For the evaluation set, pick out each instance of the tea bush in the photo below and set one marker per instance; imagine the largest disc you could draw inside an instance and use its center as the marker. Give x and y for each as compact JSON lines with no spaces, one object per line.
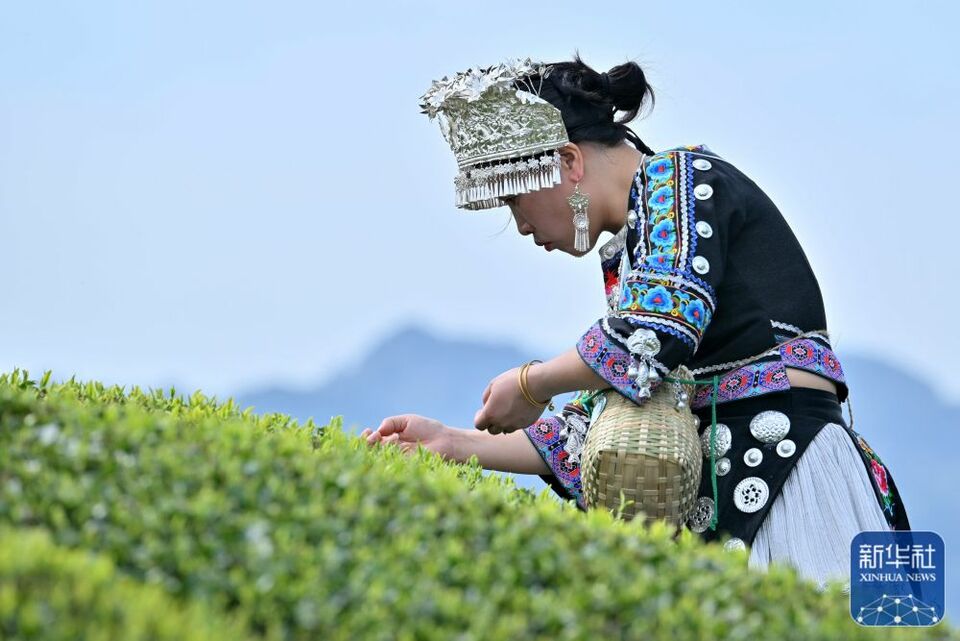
{"x":52,"y":594}
{"x":308,"y":533}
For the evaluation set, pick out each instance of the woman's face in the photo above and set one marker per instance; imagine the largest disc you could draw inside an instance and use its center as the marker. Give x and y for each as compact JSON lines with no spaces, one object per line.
{"x":543,"y":215}
{"x":546,"y":214}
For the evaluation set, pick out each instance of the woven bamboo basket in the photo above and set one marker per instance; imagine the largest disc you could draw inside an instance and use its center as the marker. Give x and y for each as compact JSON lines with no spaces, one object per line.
{"x":650,"y":451}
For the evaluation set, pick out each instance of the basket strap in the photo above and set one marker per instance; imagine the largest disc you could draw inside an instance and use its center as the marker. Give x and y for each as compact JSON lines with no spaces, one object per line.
{"x":715,"y":381}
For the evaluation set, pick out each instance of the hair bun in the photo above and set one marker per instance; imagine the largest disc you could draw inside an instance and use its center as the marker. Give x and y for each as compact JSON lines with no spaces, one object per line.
{"x":589,"y":99}
{"x":605,"y":83}
{"x":626,"y":87}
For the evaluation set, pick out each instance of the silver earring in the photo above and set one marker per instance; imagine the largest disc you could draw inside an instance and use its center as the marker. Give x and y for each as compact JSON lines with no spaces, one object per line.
{"x":578,"y":202}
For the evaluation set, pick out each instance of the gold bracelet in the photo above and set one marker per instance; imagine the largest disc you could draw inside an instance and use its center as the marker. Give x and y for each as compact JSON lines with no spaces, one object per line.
{"x":522,"y":380}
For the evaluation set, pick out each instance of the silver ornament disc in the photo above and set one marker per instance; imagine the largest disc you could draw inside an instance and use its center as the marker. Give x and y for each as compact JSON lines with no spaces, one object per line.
{"x":701,"y":515}
{"x":751,"y":494}
{"x":723,"y":466}
{"x":702,"y":191}
{"x":769,"y":426}
{"x":734,"y":544}
{"x":723,"y":438}
{"x":786,"y":448}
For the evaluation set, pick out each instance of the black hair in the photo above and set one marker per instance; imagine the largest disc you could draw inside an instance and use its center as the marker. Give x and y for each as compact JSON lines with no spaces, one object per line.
{"x":588,"y":100}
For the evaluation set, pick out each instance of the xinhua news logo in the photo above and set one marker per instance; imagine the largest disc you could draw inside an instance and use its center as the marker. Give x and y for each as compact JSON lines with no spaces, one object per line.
{"x":896,"y":578}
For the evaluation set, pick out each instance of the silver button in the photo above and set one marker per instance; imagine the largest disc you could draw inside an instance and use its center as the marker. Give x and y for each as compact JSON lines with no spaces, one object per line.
{"x":704,"y":229}
{"x":752,"y":457}
{"x":702,"y":164}
{"x":701,"y":515}
{"x":632,"y":218}
{"x":722,"y":441}
{"x":701,"y":265}
{"x":786,"y":448}
{"x":703,"y":191}
{"x":734,"y":544}
{"x":769,"y":426}
{"x":723,"y":466}
{"x":751,"y":494}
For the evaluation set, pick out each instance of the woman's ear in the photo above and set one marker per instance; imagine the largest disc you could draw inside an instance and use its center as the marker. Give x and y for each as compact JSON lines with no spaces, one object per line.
{"x":571,"y":161}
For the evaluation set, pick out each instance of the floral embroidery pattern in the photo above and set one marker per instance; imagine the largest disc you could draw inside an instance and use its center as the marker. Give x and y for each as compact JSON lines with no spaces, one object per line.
{"x":660,"y":293}
{"x":662,"y":219}
{"x":610,"y":280}
{"x":611,"y":277}
{"x":879,"y":473}
{"x":659,"y":299}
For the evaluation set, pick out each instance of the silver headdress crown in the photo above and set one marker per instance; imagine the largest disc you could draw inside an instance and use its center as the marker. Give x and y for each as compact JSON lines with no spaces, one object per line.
{"x":505,"y":139}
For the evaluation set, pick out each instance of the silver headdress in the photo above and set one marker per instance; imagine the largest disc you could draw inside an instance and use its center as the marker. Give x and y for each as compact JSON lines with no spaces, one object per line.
{"x":505,"y":139}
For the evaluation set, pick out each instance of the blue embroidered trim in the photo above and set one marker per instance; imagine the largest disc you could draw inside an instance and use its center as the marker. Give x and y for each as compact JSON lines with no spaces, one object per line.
{"x":638,"y":319}
{"x":669,"y":190}
{"x":691,"y":218}
{"x":672,"y":304}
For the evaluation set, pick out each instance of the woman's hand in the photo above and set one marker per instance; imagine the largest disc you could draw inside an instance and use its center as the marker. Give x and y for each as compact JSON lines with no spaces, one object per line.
{"x":406,"y":431}
{"x":504,"y":407}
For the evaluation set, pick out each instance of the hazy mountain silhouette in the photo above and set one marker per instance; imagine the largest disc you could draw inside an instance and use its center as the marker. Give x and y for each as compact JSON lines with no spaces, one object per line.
{"x":912,"y":429}
{"x":410,"y":371}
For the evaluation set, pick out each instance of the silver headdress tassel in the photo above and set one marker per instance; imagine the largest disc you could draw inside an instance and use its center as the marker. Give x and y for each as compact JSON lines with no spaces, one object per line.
{"x":505,"y":139}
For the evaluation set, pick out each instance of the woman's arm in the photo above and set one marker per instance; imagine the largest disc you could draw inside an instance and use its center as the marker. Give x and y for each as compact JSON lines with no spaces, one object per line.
{"x":512,"y":452}
{"x":564,"y":373}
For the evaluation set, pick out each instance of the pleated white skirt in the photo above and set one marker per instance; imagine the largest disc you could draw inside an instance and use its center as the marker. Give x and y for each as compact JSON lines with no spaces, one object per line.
{"x":827,"y":499}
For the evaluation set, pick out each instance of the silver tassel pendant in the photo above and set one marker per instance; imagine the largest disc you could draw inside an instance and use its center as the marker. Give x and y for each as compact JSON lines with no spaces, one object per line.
{"x":578,"y":203}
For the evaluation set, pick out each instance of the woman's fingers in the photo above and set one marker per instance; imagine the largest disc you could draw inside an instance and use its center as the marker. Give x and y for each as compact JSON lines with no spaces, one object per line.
{"x":479,"y":419}
{"x":387,"y":433}
{"x":392,"y":425}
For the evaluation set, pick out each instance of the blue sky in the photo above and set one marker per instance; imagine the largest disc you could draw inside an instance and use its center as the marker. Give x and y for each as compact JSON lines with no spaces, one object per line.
{"x":224,"y":195}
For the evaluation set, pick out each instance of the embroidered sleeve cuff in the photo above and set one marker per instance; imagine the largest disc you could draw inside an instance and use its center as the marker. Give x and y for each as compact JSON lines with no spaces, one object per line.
{"x":628,"y":365}
{"x":546,"y":434}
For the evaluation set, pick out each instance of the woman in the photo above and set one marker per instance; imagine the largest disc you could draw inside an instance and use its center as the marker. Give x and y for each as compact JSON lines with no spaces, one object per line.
{"x":702,"y":270}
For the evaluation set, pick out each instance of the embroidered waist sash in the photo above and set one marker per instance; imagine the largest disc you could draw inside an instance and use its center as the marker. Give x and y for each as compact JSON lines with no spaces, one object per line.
{"x":766,"y":373}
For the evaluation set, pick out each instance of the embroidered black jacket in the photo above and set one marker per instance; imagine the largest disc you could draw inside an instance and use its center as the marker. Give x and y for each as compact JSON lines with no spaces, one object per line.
{"x":709,"y":266}
{"x":707,"y":273}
